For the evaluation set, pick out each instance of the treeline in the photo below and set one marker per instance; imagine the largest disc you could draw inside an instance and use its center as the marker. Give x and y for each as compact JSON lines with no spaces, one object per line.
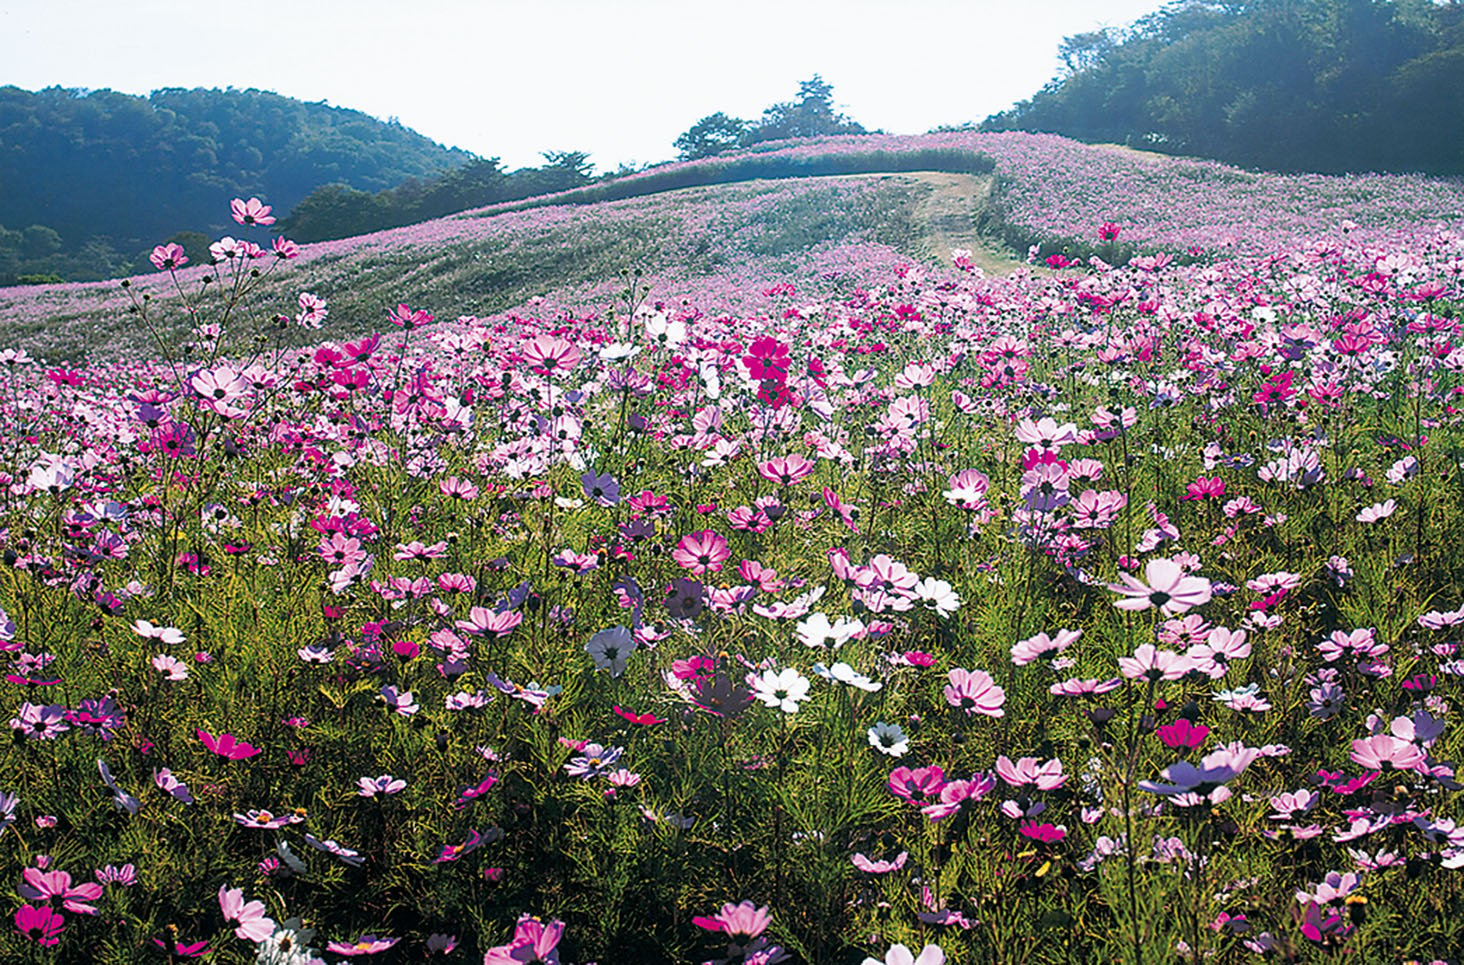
{"x":1330,"y":86}
{"x":340,"y":211}
{"x":91,"y":180}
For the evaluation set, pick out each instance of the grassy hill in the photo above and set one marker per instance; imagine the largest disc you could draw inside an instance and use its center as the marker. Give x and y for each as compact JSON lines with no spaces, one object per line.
{"x":715,"y":239}
{"x":712,"y":230}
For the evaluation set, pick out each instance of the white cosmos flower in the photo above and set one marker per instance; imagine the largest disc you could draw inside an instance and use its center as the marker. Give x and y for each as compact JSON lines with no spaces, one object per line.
{"x":779,"y":689}
{"x":619,"y":351}
{"x":938,"y":595}
{"x":817,"y":631}
{"x":889,"y":739}
{"x":611,"y":648}
{"x":844,"y":674}
{"x":663,"y":331}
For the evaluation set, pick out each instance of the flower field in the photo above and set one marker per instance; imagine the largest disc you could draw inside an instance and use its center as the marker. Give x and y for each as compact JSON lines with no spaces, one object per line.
{"x":821,"y":605}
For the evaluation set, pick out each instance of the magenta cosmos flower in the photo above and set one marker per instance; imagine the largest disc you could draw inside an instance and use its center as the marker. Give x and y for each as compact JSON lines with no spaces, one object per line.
{"x":701,"y":552}
{"x":1167,"y":588}
{"x":40,"y":924}
{"x":975,"y":692}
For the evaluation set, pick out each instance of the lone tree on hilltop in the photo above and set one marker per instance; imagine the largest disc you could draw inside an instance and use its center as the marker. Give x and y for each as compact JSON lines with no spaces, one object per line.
{"x":712,"y":134}
{"x":811,"y":115}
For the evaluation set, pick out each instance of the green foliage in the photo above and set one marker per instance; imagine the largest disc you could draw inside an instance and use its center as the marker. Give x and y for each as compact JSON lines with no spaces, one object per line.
{"x":1314,"y":85}
{"x":68,"y":156}
{"x":812,"y":115}
{"x":712,"y":134}
{"x":337,"y":211}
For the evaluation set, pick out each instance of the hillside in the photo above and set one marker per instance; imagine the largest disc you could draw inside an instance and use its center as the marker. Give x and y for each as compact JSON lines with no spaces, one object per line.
{"x":713,"y":243}
{"x":1289,"y":85}
{"x":88,"y":179}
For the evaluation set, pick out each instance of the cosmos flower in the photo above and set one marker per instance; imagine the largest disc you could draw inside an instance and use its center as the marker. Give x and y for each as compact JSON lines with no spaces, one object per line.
{"x":901,"y":955}
{"x":1168,"y":588}
{"x":889,"y":739}
{"x":248,"y":919}
{"x":975,"y":692}
{"x":611,"y":649}
{"x":779,"y":689}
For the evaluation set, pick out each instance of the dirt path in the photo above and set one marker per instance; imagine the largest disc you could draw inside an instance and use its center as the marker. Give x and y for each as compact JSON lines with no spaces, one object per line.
{"x":949,"y":215}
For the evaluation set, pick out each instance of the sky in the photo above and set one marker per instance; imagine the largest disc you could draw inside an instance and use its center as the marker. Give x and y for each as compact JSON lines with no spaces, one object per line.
{"x":619,"y":79}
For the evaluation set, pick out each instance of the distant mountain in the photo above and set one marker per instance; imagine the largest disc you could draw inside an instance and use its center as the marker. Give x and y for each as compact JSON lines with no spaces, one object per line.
{"x":89,"y":180}
{"x":1328,"y":86}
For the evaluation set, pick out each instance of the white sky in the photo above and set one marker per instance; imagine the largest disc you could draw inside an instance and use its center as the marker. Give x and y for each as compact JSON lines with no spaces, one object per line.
{"x":619,"y":79}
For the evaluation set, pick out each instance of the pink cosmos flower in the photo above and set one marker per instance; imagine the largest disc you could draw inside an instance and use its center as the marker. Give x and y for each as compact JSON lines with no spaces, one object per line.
{"x":1221,"y":647}
{"x":38,"y":885}
{"x":1377,"y":511}
{"x":1205,"y":488}
{"x":385,"y":784}
{"x":532,"y":941}
{"x":786,"y":470}
{"x":701,"y":552}
{"x":1167,"y":588}
{"x":170,"y":667}
{"x":743,"y":921}
{"x":553,"y":355}
{"x":226,"y":248}
{"x":863,"y":863}
{"x":919,"y":786}
{"x":1041,"y":647}
{"x":957,"y":794}
{"x":167,"y":257}
{"x":1046,"y":777}
{"x":482,"y":620}
{"x":1084,"y":687}
{"x":1046,"y":433}
{"x":365,"y":945}
{"x":249,"y":919}
{"x":975,"y":692}
{"x":404,"y":317}
{"x":1384,"y":752}
{"x":250,"y":212}
{"x":901,"y":955}
{"x":1153,"y":664}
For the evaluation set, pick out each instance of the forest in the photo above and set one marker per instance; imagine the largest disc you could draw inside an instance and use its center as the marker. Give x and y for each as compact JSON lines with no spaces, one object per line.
{"x":1331,"y":86}
{"x":91,"y":180}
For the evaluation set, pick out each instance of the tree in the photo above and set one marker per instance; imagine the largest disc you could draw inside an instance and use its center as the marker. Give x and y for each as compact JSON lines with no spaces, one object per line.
{"x":712,"y":134}
{"x":39,"y":241}
{"x":812,"y":115}
{"x":1085,"y":50}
